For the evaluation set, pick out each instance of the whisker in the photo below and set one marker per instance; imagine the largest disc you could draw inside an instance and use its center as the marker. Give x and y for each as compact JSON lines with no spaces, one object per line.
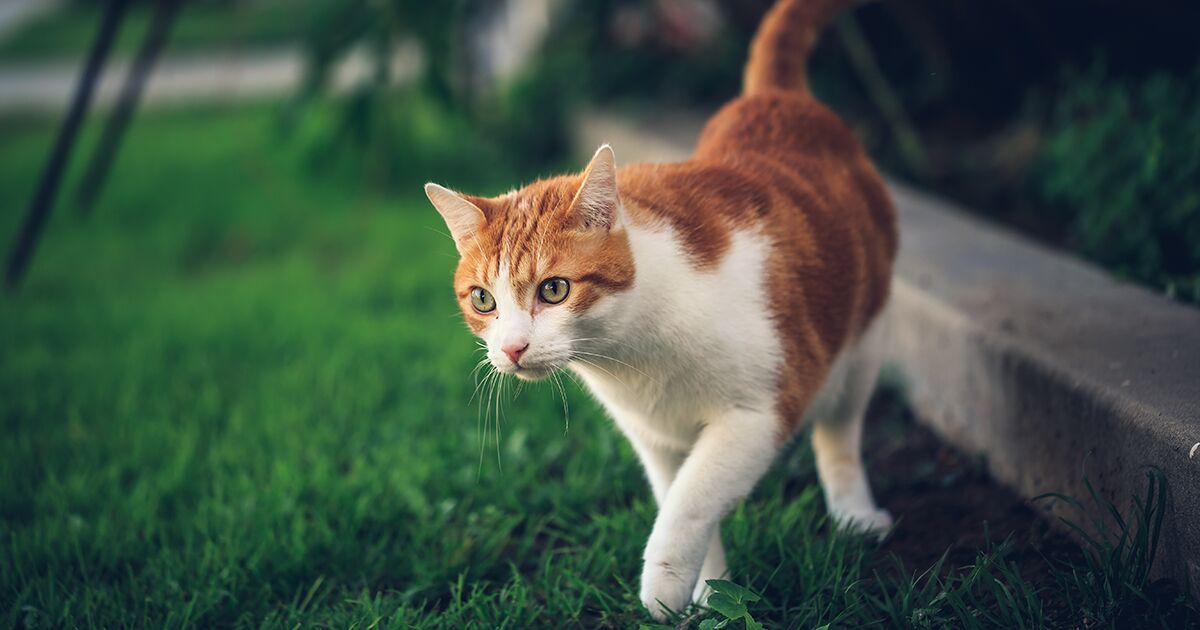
{"x":437,"y":231}
{"x":571,"y":375}
{"x":615,"y":360}
{"x":499,"y":412}
{"x":599,"y":339}
{"x":475,"y":371}
{"x":487,"y":412}
{"x":481,"y":420}
{"x":609,"y":340}
{"x":478,"y":384}
{"x":601,"y":368}
{"x":566,"y":408}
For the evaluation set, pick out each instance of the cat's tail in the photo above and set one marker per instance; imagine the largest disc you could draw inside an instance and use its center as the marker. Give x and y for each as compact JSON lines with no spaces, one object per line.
{"x":779,"y":53}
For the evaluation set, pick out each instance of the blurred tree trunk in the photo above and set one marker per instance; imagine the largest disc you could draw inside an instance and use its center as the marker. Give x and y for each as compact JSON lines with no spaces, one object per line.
{"x":165,"y":12}
{"x":51,"y":180}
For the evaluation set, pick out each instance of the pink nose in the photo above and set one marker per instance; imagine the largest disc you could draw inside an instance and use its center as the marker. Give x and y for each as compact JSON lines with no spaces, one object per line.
{"x":515,"y":350}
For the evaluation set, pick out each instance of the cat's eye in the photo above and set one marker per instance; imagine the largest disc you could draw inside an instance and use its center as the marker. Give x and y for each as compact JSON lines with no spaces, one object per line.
{"x":482,"y":300}
{"x":554,"y":290}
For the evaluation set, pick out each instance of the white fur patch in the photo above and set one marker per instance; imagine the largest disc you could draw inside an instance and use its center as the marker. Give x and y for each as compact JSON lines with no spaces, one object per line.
{"x":685,"y":343}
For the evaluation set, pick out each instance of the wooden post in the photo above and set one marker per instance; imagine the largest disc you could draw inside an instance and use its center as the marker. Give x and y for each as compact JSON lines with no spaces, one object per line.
{"x":48,"y":185}
{"x":114,"y":130}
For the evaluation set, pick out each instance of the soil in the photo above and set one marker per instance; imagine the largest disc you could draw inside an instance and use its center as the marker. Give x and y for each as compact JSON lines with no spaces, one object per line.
{"x":946,"y":503}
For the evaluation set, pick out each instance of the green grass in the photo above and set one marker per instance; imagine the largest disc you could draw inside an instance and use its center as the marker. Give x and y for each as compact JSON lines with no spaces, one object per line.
{"x":240,"y":395}
{"x":68,"y":32}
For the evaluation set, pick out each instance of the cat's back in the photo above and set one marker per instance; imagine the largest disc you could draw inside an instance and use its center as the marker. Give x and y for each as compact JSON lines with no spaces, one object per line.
{"x":826,"y":193}
{"x":776,"y":122}
{"x":785,"y":167}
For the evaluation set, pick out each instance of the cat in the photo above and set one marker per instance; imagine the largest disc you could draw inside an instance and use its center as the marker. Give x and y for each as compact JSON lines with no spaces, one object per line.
{"x":714,"y":306}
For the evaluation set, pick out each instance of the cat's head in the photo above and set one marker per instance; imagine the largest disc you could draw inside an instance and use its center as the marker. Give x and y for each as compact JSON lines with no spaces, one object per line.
{"x":541,"y":267}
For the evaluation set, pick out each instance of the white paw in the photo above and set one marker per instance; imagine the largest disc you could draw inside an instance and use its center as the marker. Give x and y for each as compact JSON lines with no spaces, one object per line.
{"x":869,"y":521}
{"x":662,"y":585}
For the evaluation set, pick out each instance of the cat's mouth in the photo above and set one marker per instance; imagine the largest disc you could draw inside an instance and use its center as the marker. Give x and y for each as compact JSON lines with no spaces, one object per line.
{"x":534,"y":373}
{"x":530,"y":368}
{"x":531,"y":372}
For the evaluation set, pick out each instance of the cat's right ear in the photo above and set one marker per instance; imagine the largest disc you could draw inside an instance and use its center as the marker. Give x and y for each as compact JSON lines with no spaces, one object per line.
{"x":462,"y":217}
{"x":596,"y":201}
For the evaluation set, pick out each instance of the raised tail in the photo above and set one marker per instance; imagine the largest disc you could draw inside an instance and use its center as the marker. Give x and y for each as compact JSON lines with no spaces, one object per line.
{"x":786,"y":37}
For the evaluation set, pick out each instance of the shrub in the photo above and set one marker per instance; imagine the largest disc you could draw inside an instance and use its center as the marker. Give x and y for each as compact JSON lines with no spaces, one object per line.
{"x":1122,"y":165}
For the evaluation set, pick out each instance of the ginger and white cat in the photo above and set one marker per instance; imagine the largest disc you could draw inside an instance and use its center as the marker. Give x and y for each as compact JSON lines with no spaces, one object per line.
{"x":714,"y":306}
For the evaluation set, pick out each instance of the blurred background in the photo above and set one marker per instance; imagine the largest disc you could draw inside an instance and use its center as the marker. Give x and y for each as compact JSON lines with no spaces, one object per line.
{"x":1073,"y":121}
{"x":233,"y":364}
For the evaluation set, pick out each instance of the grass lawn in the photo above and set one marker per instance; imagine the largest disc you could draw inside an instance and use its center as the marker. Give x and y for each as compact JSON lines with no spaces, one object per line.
{"x":68,"y":31}
{"x":240,"y":395}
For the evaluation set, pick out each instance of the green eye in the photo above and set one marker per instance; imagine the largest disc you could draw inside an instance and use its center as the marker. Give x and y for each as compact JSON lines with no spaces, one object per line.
{"x":482,"y":300}
{"x":554,"y":290}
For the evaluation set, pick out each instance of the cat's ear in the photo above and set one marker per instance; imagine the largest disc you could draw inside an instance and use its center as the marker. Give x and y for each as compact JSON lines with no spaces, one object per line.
{"x":462,"y":217}
{"x":595,"y":204}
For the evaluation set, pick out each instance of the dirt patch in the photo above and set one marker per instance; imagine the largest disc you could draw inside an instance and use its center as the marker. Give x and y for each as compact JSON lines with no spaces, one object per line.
{"x":946,"y":503}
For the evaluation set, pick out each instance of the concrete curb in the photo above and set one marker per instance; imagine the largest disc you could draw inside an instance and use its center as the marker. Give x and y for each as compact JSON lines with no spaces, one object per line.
{"x":1043,"y":363}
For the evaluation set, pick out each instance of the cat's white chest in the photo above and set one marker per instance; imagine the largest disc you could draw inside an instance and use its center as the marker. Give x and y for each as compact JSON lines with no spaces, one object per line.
{"x":687,"y":343}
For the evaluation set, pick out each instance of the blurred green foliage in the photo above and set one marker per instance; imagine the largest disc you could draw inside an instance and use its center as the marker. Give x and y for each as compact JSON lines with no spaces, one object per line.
{"x":1121,"y":167}
{"x":381,"y":125}
{"x":525,"y":118}
{"x":631,"y":49}
{"x":1112,"y":160}
{"x":340,"y":26}
{"x":396,"y":141}
{"x":1103,"y":162}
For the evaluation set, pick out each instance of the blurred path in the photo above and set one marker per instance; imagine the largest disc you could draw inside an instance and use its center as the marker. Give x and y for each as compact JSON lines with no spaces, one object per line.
{"x":13,"y":13}
{"x":199,"y":78}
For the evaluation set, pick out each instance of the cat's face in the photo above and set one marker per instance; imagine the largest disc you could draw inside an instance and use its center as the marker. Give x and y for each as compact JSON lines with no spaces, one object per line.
{"x":539,"y":267}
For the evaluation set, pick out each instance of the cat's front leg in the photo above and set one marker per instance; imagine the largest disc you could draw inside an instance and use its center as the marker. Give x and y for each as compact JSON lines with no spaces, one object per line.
{"x":730,"y":455}
{"x":661,"y":465}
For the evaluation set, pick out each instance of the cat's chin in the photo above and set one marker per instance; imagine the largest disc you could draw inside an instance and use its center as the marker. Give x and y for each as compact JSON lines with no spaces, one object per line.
{"x":533,"y":374}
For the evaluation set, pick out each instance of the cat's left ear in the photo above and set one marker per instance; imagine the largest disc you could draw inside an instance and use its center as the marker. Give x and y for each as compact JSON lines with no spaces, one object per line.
{"x":462,"y":217}
{"x":595,"y":204}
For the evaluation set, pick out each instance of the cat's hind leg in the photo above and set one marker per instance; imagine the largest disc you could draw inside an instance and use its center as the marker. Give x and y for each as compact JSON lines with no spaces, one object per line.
{"x":837,"y":417}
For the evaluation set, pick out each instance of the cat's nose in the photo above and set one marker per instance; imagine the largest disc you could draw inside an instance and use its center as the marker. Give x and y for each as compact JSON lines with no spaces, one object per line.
{"x":515,"y":349}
